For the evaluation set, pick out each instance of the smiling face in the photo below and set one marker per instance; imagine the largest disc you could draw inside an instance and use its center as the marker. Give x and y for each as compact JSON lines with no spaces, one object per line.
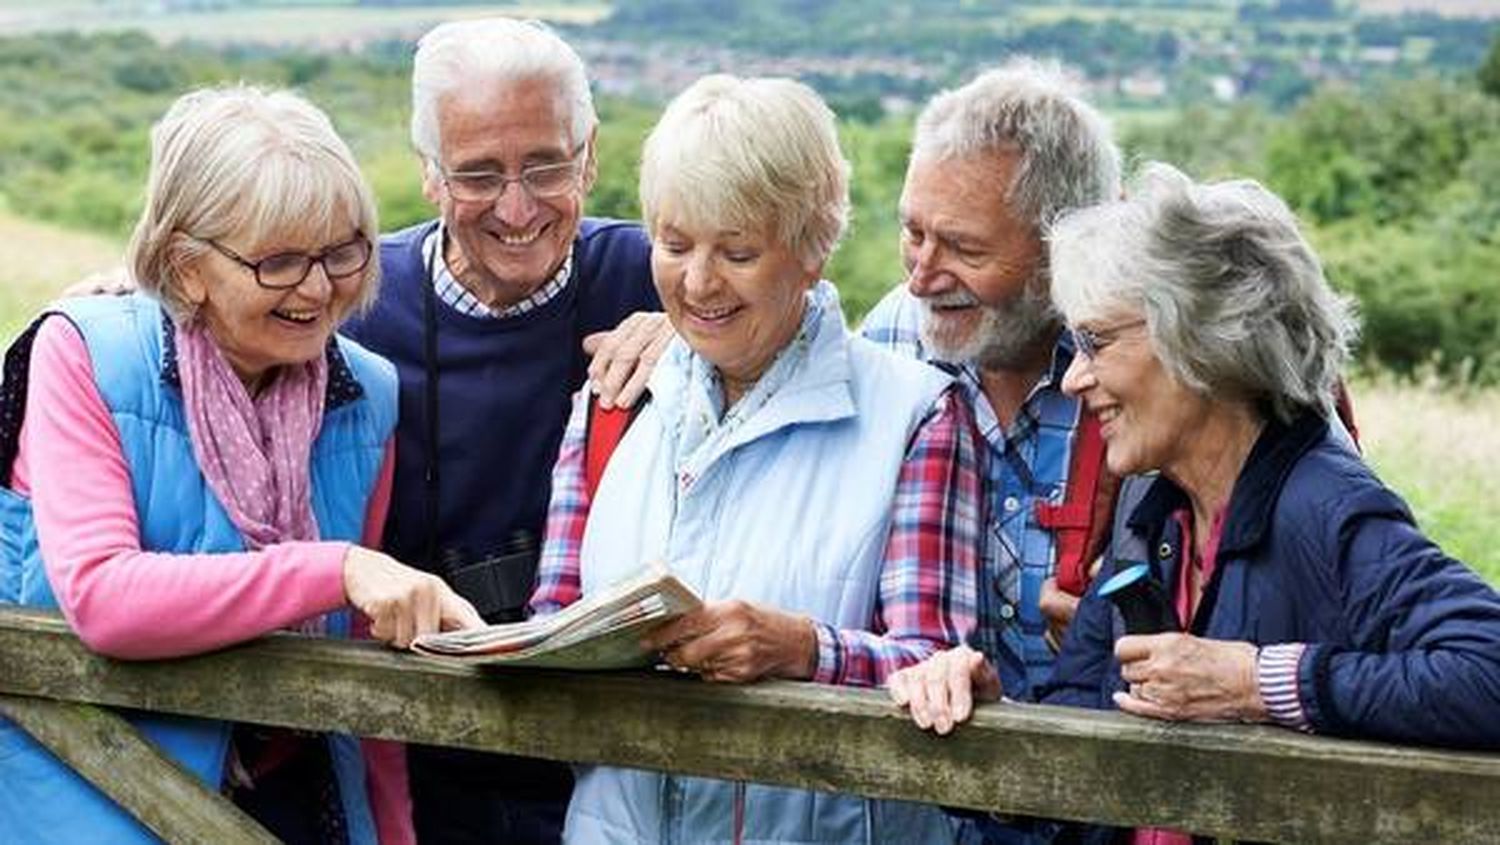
{"x":975,"y":265}
{"x":736,"y":298}
{"x":1147,"y":416}
{"x":506,"y":249}
{"x":259,"y":329}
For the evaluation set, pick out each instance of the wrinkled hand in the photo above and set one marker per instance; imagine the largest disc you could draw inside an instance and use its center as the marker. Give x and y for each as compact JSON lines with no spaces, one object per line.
{"x":402,"y":603}
{"x":1058,"y":608}
{"x":738,"y":642}
{"x":1185,"y":678}
{"x":624,"y":358}
{"x":940,"y":692}
{"x":112,"y":282}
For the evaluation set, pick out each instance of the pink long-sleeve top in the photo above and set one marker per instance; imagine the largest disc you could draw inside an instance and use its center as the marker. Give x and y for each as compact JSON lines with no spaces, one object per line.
{"x":178,"y":604}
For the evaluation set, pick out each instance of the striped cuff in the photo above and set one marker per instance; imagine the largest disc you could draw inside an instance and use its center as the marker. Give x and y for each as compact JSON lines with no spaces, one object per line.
{"x":830,"y":663}
{"x":1276,"y":670}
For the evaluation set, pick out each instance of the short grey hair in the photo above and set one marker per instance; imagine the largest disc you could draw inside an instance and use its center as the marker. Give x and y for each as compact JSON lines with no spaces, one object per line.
{"x":1235,"y":300}
{"x":249,"y":164}
{"x":1066,"y":154}
{"x":460,"y":55}
{"x":755,"y":154}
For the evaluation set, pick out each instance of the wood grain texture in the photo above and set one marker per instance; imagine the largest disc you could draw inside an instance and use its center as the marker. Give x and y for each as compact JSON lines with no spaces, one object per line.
{"x":112,"y":754}
{"x":1235,"y":781}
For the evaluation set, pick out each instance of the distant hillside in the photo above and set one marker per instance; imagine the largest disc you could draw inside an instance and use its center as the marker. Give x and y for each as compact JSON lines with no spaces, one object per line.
{"x":330,"y":24}
{"x":1451,"y":8}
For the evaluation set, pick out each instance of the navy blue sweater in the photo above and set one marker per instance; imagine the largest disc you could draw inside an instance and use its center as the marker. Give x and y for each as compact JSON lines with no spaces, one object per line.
{"x":504,"y":388}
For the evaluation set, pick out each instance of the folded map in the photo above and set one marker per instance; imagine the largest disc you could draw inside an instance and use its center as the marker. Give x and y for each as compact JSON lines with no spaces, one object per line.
{"x":599,"y":631}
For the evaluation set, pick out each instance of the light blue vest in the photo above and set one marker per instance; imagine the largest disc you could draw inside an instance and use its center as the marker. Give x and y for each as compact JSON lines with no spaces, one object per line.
{"x":793,"y":512}
{"x":41,"y":799}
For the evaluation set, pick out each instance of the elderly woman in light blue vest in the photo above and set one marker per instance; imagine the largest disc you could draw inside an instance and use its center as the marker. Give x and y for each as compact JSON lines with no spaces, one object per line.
{"x":192,"y":466}
{"x":819,"y":493}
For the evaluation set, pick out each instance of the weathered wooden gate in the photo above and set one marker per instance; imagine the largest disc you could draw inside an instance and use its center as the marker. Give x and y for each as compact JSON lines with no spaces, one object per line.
{"x":1233,"y":781}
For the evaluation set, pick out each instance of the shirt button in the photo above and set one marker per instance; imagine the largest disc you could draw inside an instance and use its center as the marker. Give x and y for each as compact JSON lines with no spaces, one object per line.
{"x":1007,"y":611}
{"x":1164,"y":551}
{"x":1011,"y":503}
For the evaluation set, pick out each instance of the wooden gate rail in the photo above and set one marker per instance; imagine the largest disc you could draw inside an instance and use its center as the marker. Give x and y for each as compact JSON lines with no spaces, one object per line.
{"x":1231,"y":781}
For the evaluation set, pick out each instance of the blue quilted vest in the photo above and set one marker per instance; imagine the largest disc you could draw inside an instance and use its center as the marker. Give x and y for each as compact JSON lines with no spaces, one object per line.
{"x":41,"y":799}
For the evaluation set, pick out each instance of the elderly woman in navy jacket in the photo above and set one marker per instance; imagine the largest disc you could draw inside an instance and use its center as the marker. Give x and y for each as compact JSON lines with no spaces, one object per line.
{"x":1209,"y":345}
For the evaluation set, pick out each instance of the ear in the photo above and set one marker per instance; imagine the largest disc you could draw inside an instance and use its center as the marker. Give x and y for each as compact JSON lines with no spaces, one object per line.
{"x":814,"y":273}
{"x":187,"y":270}
{"x":432,"y":183}
{"x":591,"y":160}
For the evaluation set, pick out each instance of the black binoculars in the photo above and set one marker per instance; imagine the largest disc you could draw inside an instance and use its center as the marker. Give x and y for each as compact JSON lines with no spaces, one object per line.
{"x":1141,"y":599}
{"x":499,"y":584}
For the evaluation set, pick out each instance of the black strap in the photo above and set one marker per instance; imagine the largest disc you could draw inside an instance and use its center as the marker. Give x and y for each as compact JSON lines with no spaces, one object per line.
{"x":13,"y":390}
{"x":430,"y":363}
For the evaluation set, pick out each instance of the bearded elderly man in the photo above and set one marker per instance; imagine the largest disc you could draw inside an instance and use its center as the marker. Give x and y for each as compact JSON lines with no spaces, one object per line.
{"x":992,"y":164}
{"x":483,"y":311}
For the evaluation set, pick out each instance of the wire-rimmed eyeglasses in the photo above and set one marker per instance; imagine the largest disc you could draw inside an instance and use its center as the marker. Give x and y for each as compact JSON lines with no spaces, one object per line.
{"x":539,"y":180}
{"x":1088,"y":342}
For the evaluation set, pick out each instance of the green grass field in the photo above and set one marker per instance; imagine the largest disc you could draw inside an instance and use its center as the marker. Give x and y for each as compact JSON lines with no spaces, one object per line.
{"x":1438,"y":449}
{"x":1435,"y":447}
{"x":38,"y":260}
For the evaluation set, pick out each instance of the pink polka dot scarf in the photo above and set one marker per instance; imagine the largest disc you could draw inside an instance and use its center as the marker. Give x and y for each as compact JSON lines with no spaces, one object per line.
{"x":254,"y":452}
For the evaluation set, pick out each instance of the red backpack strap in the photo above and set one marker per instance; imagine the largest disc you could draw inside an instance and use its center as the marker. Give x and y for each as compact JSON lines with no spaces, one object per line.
{"x":1343,"y":405}
{"x":602,"y":432}
{"x":1080,"y":523}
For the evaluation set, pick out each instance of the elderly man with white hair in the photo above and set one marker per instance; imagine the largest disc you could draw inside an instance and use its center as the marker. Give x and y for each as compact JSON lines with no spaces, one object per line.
{"x":992,"y":164}
{"x":483,"y":312}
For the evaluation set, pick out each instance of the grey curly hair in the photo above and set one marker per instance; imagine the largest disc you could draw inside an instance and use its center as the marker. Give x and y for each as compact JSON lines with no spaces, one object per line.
{"x":1234,"y":298}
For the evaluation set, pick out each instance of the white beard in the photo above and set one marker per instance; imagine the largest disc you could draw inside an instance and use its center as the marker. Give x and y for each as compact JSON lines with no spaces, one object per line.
{"x":1007,"y":336}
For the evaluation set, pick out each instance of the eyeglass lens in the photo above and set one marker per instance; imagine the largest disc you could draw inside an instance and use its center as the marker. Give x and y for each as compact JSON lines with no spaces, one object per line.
{"x":288,"y":269}
{"x":541,"y":180}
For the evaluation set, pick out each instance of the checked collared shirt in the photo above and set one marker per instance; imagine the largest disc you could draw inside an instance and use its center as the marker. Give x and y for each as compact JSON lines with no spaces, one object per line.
{"x":1022,"y":466}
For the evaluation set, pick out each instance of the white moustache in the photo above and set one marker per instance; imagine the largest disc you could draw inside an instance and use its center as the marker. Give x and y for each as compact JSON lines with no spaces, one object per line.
{"x":957,"y":299}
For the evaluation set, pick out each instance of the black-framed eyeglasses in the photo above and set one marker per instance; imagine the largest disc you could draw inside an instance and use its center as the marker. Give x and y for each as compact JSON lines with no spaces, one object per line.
{"x":540,"y":180}
{"x":286,"y":270}
{"x":1088,"y":342}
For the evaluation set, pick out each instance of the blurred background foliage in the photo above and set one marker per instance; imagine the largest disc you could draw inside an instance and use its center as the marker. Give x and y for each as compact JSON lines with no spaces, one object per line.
{"x":1398,"y":183}
{"x":1381,"y":131}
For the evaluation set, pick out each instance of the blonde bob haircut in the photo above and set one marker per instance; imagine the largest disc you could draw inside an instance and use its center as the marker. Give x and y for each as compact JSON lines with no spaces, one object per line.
{"x":754,"y":155}
{"x":255,"y":167}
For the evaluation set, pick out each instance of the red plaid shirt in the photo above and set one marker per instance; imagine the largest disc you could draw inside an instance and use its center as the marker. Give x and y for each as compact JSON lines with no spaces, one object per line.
{"x":928,"y":577}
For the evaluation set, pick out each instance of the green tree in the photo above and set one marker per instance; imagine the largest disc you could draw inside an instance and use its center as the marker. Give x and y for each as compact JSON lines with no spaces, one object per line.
{"x":1384,"y":154}
{"x":1489,"y":72}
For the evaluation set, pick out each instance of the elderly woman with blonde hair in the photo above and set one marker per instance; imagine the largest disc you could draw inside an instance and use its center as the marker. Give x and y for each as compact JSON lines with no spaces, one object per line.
{"x":819,"y":493}
{"x":224,"y":453}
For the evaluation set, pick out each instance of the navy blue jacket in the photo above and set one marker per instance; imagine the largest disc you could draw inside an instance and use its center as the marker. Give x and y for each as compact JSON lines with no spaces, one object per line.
{"x":1404,"y":641}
